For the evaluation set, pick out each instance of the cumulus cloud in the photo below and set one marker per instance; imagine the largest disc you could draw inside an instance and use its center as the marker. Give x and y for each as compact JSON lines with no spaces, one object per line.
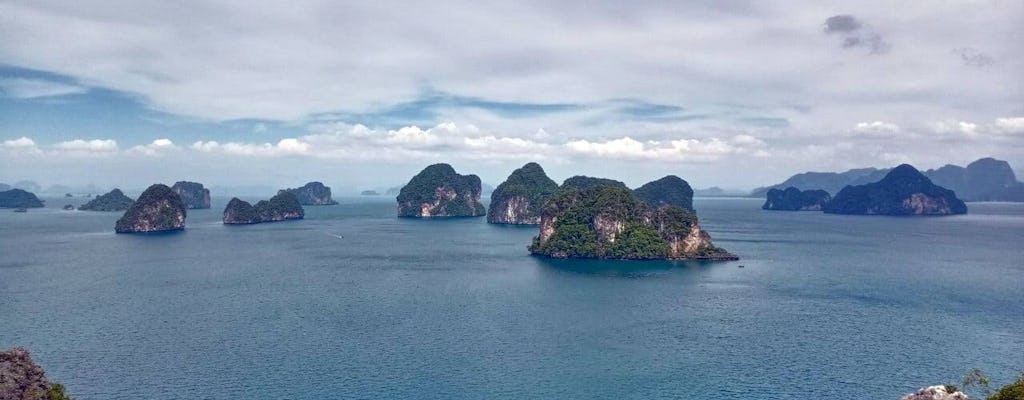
{"x":876,"y":128}
{"x":1010,"y":125}
{"x":155,"y":148}
{"x":23,"y":88}
{"x":672,"y":150}
{"x":19,"y":143}
{"x":998,"y":127}
{"x":95,"y":146}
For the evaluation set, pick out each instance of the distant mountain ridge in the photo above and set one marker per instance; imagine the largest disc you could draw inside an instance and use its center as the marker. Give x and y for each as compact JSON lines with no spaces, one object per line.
{"x":985,"y":179}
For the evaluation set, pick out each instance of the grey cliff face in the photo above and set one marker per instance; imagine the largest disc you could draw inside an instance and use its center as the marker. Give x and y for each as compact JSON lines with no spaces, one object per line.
{"x":158,"y":209}
{"x":193,"y":194}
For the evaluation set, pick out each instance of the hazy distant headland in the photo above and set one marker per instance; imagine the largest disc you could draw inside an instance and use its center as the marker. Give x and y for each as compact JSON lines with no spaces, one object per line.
{"x":985,"y":179}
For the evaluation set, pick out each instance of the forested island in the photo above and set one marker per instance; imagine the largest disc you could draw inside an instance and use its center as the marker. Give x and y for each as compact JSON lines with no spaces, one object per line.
{"x":282,"y":207}
{"x":17,"y":198}
{"x":793,"y":199}
{"x":313,"y":194}
{"x":157,"y":209}
{"x":903,"y":191}
{"x":115,"y":200}
{"x":438,"y":191}
{"x":603,"y":219}
{"x":520,"y":199}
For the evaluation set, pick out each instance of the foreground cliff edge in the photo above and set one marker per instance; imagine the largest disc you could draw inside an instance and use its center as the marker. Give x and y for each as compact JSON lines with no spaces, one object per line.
{"x":438,"y":191}
{"x":903,"y":191}
{"x":610,"y":222}
{"x":520,"y":199}
{"x":158,"y":209}
{"x":22,"y":378}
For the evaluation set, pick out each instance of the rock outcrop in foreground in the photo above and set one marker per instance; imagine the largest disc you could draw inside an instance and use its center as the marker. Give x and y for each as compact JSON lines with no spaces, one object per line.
{"x":313,"y":194}
{"x":610,"y":222}
{"x":282,"y":207}
{"x":193,"y":194}
{"x":157,"y":209}
{"x":520,"y":199}
{"x":793,"y":199}
{"x":115,"y":200}
{"x":21,"y":378}
{"x":936,"y":393}
{"x":17,"y":198}
{"x":904,"y":191}
{"x":438,"y":191}
{"x":668,"y":191}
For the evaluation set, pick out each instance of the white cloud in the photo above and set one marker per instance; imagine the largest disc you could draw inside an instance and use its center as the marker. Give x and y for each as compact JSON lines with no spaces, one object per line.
{"x":672,"y":150}
{"x":876,"y":128}
{"x":155,"y":148}
{"x":19,"y":143}
{"x":1000,"y":126}
{"x":95,"y":146}
{"x":23,"y":88}
{"x":1010,"y":125}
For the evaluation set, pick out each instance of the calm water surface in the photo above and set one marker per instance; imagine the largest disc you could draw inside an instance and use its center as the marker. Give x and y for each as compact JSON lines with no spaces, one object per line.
{"x":355,"y":303}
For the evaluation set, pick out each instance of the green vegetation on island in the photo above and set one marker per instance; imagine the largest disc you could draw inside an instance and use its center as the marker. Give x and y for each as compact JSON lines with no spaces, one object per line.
{"x":520,"y":199}
{"x":157,"y":209}
{"x":579,"y":182}
{"x":610,"y":222}
{"x":670,"y":190}
{"x":282,"y":207}
{"x":115,"y":200}
{"x":313,"y":194}
{"x":438,"y":191}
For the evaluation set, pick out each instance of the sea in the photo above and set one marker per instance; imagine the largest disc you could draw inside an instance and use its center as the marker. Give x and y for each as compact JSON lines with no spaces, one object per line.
{"x":354,"y":303}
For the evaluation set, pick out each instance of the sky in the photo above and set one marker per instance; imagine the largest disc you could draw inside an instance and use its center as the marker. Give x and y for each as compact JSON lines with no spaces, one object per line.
{"x":363,"y":95}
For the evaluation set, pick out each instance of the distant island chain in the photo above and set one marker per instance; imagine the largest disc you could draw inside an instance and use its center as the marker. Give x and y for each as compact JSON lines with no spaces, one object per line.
{"x":584,"y":217}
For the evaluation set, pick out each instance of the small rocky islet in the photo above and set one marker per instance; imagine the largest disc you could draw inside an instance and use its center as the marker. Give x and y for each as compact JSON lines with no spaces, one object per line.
{"x":115,"y":200}
{"x":158,"y":209}
{"x":284,"y":206}
{"x":439,"y":191}
{"x":193,"y":194}
{"x":793,"y":199}
{"x":313,"y":194}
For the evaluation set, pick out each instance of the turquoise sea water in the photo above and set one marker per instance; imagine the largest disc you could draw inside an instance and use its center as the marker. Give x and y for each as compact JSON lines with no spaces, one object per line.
{"x":355,"y":303}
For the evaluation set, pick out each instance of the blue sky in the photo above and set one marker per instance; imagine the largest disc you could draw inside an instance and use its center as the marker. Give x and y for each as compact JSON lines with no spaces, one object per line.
{"x":735,"y":94}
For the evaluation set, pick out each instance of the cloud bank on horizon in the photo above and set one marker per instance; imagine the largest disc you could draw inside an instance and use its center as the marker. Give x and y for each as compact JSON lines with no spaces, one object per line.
{"x":369,"y":93}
